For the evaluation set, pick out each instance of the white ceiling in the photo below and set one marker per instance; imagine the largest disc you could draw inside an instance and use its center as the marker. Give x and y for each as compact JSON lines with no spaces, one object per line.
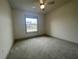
{"x":33,"y":5}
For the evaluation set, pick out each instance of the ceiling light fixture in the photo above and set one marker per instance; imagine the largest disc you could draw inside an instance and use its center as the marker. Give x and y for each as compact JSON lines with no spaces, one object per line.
{"x":42,"y":6}
{"x":44,"y":3}
{"x":41,"y":1}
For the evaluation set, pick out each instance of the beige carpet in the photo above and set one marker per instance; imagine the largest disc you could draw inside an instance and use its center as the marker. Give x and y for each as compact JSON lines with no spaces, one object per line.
{"x":44,"y":48}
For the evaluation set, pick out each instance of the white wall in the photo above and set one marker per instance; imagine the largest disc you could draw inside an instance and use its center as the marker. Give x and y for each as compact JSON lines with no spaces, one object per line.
{"x":6,"y":36}
{"x":19,"y":23}
{"x":62,"y":22}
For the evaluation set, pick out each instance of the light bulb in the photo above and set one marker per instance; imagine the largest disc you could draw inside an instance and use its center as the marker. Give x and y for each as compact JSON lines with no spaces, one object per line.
{"x":42,"y":6}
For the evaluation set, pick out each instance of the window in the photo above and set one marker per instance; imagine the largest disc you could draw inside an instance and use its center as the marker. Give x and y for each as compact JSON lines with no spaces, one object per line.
{"x":31,"y":24}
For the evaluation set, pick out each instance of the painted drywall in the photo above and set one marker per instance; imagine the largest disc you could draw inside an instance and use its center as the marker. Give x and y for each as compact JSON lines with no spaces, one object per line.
{"x":19,"y":23}
{"x":6,"y":36}
{"x":62,"y":22}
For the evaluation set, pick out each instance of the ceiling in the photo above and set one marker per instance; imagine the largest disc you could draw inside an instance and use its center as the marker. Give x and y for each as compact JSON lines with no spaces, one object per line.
{"x":34,"y":6}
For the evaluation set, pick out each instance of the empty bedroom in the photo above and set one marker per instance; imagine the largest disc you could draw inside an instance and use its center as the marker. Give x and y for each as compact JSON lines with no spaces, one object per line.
{"x":38,"y":29}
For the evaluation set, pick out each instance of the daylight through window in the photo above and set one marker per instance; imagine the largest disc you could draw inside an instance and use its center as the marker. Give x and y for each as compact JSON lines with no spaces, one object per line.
{"x":31,"y":25}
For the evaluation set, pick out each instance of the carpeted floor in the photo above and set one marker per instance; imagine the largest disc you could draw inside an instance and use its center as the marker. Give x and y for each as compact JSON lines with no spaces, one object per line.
{"x":44,"y":48}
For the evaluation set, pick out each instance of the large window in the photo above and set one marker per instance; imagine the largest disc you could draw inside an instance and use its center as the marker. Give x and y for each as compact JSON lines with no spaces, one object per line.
{"x":31,"y":24}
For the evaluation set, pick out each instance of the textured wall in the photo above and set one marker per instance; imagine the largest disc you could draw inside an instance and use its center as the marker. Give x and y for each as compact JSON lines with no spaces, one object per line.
{"x":62,"y":22}
{"x":19,"y":23}
{"x":6,"y":36}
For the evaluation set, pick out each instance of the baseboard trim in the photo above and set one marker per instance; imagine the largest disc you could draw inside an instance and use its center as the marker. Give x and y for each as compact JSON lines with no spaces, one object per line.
{"x":21,"y":39}
{"x":61,"y":39}
{"x":10,"y":49}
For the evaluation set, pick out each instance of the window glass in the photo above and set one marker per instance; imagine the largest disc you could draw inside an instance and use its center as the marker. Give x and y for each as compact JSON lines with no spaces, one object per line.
{"x":31,"y":24}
